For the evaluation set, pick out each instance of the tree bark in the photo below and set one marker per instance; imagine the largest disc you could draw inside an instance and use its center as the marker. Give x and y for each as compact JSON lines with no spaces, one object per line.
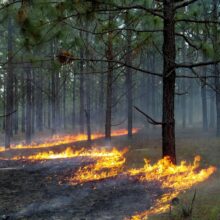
{"x":108,"y":115}
{"x":101,"y":98}
{"x":33,"y":99}
{"x":64,"y":103}
{"x":9,"y":87}
{"x":128,"y":77}
{"x":22,"y":103}
{"x":81,"y":91}
{"x":15,"y":115}
{"x":216,"y":69}
{"x":74,"y":102}
{"x":28,"y":116}
{"x":169,"y":75}
{"x":39,"y":102}
{"x":204,"y":102}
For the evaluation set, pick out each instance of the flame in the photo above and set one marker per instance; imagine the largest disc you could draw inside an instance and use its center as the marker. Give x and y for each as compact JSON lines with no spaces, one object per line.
{"x":57,"y":140}
{"x":176,"y":178}
{"x":71,"y":153}
{"x":110,"y":164}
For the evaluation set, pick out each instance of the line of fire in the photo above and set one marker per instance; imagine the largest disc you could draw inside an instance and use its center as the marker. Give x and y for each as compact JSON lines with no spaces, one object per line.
{"x":109,"y":110}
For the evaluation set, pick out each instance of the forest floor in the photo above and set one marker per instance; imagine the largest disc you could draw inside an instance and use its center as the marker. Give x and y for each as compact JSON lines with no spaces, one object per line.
{"x":34,"y":191}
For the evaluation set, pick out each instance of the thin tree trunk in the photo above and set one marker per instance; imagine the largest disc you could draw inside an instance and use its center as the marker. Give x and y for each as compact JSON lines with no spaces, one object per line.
{"x":22,"y":103}
{"x":183,"y":103}
{"x":81,"y":91}
{"x":216,"y":69}
{"x":64,"y":104}
{"x":128,"y":77}
{"x":108,"y":116}
{"x":212,"y":110}
{"x":153,"y":88}
{"x":28,"y":116}
{"x":39,"y":102}
{"x":204,"y":103}
{"x":101,"y":98}
{"x":33,"y":106}
{"x":49,"y":107}
{"x":9,"y":87}
{"x":15,"y":115}
{"x":191,"y":104}
{"x":74,"y":102}
{"x":53,"y":103}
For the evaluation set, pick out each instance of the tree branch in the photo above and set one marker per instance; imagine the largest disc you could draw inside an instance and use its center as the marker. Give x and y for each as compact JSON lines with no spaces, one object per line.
{"x":8,"y":114}
{"x":149,"y":119}
{"x":184,"y":4}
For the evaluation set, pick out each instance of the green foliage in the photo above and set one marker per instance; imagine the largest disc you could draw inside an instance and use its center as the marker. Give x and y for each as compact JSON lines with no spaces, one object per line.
{"x":207,"y":49}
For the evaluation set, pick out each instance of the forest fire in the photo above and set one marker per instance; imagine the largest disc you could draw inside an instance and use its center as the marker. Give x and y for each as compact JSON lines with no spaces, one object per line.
{"x":175,"y":178}
{"x":108,"y":163}
{"x":71,"y":153}
{"x":57,"y":140}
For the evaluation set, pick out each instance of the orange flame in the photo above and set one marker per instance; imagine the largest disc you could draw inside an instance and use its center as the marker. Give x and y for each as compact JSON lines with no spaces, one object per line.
{"x":178,"y":178}
{"x":109,"y":165}
{"x":57,"y":140}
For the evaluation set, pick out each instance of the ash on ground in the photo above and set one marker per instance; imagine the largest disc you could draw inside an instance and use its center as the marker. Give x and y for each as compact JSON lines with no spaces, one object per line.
{"x":41,"y":191}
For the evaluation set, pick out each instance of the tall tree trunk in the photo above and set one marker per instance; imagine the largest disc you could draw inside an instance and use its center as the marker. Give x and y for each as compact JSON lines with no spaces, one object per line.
{"x":183,"y":103}
{"x":9,"y":87}
{"x":101,"y":98}
{"x":49,"y":107}
{"x":28,"y":116}
{"x":153,"y":88}
{"x":57,"y":101}
{"x":15,"y":116}
{"x":128,"y":77}
{"x":183,"y":87}
{"x":39,"y":102}
{"x":81,"y":91}
{"x":22,"y":103}
{"x":204,"y":102}
{"x":88,"y":96}
{"x":212,"y":110}
{"x":191,"y":104}
{"x":108,"y":115}
{"x":169,"y":76}
{"x":33,"y":106}
{"x":64,"y":103}
{"x":216,"y":69}
{"x":74,"y":102}
{"x":53,"y":102}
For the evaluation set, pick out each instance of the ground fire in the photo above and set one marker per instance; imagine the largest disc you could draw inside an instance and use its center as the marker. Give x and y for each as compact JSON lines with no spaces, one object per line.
{"x":57,"y":140}
{"x":106,"y":164}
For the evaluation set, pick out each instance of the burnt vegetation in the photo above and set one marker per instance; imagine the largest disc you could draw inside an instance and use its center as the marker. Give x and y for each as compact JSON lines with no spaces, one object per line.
{"x":150,"y":68}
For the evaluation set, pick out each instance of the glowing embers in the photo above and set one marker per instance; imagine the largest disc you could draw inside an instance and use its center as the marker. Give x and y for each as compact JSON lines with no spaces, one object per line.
{"x":110,"y":164}
{"x":174,"y":178}
{"x":57,"y":140}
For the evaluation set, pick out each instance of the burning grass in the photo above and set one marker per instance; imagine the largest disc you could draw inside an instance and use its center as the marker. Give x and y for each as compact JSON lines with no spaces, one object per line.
{"x":111,"y":163}
{"x":107,"y":163}
{"x":58,"y":140}
{"x":176,"y":178}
